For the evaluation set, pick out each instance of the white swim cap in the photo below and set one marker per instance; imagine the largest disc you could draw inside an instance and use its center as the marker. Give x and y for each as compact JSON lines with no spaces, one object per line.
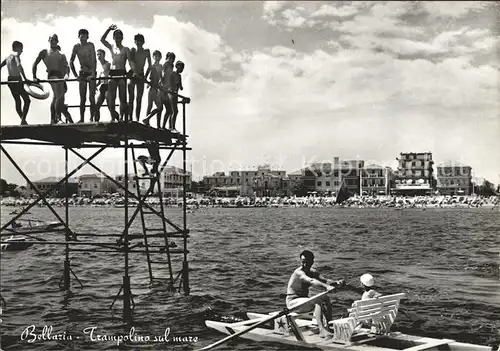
{"x":367,"y":280}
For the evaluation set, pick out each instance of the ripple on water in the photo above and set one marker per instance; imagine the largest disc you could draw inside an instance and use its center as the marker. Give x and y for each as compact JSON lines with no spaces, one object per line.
{"x":446,"y":261}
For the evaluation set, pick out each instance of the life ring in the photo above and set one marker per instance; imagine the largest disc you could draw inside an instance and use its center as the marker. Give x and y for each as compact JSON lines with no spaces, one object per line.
{"x":36,"y":90}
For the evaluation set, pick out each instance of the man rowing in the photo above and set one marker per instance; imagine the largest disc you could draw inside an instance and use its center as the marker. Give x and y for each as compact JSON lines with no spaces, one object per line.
{"x":298,"y":292}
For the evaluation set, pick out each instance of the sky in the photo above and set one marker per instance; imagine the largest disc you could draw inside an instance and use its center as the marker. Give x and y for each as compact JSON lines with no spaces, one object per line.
{"x":292,"y":83}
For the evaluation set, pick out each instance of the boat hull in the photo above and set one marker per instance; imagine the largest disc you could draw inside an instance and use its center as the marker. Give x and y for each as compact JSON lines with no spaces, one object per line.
{"x":365,"y":342}
{"x":15,"y":245}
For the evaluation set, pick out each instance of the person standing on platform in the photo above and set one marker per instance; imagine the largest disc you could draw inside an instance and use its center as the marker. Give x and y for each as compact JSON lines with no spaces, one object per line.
{"x":16,"y":74}
{"x":176,"y":83}
{"x":168,"y":69}
{"x":139,"y":56}
{"x":154,"y":93}
{"x":85,"y":51}
{"x":102,"y":84}
{"x":119,"y":56}
{"x":57,"y":68}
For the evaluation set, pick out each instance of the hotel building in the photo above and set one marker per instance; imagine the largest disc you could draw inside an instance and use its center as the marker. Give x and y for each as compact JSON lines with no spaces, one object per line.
{"x":454,"y":178}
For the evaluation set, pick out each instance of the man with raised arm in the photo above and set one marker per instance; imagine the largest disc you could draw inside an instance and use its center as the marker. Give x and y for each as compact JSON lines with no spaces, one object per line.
{"x":85,"y":51}
{"x":57,"y":68}
{"x":139,"y":56}
{"x":16,"y":74}
{"x":119,"y":56}
{"x":298,"y":291}
{"x":102,"y":84}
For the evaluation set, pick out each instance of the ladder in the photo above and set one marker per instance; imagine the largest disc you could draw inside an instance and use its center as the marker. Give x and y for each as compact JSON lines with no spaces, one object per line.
{"x":149,"y":216}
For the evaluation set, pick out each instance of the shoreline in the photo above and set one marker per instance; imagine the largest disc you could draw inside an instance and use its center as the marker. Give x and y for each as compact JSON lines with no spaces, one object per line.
{"x":396,"y":203}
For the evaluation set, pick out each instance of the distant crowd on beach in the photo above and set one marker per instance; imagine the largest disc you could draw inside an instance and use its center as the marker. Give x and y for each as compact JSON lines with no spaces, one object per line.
{"x":101,"y":78}
{"x":423,"y":202}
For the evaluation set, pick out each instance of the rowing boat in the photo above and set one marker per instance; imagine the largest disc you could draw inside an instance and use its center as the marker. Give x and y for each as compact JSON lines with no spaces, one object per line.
{"x":15,"y":244}
{"x":367,"y":328}
{"x":33,"y":226}
{"x":363,"y":340}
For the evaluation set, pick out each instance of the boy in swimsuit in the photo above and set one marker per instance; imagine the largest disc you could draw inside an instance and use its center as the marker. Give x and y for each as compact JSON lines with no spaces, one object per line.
{"x":176,"y":82}
{"x":119,"y":56}
{"x":57,"y":68}
{"x":102,"y":84}
{"x":154,"y":159}
{"x":16,"y":73}
{"x":139,"y":57}
{"x":153,"y":95}
{"x":168,"y":69}
{"x":85,"y":51}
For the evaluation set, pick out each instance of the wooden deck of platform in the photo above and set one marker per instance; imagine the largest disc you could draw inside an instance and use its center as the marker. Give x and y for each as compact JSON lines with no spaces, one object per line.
{"x":80,"y":134}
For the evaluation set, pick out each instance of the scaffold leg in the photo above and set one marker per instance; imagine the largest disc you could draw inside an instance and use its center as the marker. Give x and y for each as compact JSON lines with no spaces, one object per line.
{"x":66,"y":275}
{"x":127,"y":297}
{"x":185,"y":277}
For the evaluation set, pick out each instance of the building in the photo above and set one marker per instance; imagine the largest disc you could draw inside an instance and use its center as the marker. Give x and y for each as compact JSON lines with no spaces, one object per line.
{"x":132,"y":186}
{"x":262,"y":181}
{"x":326,"y":178}
{"x":415,"y":175}
{"x":45,"y":184}
{"x":91,"y":185}
{"x":171,"y":180}
{"x":454,"y":178}
{"x":376,"y":180}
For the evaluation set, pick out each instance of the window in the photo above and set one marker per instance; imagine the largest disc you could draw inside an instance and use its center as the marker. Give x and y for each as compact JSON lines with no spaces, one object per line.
{"x":327,"y":183}
{"x":318,"y":183}
{"x":95,"y":185}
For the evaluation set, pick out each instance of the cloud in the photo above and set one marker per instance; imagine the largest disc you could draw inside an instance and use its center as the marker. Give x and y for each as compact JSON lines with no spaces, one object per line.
{"x":270,"y":8}
{"x":454,"y":9}
{"x":335,"y":11}
{"x":276,"y":14}
{"x":355,"y":96}
{"x":204,"y":54}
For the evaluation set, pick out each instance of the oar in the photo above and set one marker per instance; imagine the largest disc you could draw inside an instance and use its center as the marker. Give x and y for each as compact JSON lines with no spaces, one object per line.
{"x":264,"y":321}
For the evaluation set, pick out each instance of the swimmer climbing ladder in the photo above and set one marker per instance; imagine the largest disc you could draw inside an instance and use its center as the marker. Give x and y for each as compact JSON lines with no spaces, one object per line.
{"x":150,"y":232}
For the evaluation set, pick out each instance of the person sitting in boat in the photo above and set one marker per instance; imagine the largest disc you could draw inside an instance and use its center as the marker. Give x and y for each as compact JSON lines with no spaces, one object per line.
{"x":367,"y":282}
{"x":298,"y":292}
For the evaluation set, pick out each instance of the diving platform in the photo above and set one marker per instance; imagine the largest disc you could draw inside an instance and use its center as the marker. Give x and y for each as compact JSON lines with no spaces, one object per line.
{"x":77,"y":135}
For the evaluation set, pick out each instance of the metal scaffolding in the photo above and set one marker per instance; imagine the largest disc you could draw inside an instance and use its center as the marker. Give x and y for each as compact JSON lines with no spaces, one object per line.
{"x":129,"y":136}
